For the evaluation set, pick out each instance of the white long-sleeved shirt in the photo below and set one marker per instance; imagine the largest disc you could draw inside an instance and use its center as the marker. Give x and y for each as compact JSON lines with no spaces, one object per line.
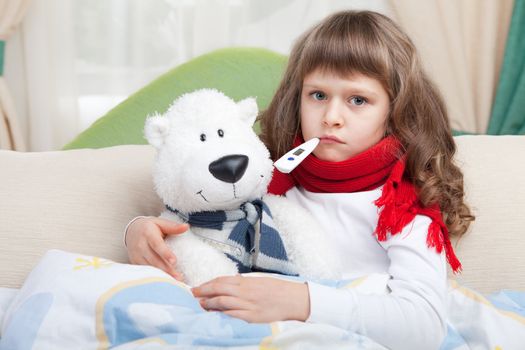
{"x":412,"y":314}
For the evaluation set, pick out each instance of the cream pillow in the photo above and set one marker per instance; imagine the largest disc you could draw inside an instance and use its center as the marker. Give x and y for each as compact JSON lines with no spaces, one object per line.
{"x":78,"y":200}
{"x":493,"y":250}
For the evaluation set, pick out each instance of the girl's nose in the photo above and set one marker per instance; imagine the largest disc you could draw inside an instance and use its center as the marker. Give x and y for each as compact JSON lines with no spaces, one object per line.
{"x":333,"y":114}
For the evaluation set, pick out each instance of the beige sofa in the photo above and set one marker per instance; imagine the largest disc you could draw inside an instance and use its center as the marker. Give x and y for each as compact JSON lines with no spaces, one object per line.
{"x":80,"y":200}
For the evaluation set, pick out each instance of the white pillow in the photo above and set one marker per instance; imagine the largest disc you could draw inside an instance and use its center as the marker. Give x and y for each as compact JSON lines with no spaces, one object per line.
{"x":77,"y":200}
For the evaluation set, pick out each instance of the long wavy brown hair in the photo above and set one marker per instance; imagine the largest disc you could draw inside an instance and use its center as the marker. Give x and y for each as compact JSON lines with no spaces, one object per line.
{"x":372,"y":44}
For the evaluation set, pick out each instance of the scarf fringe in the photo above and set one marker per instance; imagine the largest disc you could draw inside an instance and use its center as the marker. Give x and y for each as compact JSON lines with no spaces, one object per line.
{"x":395,"y":209}
{"x":434,"y":237}
{"x":452,"y":259}
{"x":399,"y":205}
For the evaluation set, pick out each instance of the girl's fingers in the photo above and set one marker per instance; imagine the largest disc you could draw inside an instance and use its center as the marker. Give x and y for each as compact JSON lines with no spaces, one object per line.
{"x":235,"y":280}
{"x":169,"y":227}
{"x":224,"y":303}
{"x":137,"y":260}
{"x":136,"y":256}
{"x":159,"y":246}
{"x":217,"y":287}
{"x":154,"y":260}
{"x":178,"y":276}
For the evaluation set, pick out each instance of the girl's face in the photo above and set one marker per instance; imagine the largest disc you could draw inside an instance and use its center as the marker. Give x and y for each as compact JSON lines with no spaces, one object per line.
{"x":348,"y":113}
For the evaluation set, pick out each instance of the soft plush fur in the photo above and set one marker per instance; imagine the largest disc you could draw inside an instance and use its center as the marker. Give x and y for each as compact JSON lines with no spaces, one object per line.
{"x":198,"y":129}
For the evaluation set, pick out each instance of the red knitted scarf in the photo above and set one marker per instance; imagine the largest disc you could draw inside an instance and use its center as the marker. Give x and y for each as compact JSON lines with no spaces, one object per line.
{"x":382,"y":164}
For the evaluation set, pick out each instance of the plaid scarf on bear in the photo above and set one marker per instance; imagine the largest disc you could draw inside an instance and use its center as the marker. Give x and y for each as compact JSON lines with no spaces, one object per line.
{"x":256,"y":250}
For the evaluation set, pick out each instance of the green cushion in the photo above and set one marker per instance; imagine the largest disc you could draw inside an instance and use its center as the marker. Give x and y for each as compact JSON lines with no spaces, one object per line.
{"x":238,"y":72}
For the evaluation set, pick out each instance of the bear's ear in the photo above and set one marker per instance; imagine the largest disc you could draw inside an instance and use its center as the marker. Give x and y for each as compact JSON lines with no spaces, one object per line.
{"x":249,"y":110}
{"x":156,"y":129}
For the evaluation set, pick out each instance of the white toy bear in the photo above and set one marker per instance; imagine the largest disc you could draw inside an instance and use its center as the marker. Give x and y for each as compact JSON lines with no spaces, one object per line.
{"x":212,"y":171}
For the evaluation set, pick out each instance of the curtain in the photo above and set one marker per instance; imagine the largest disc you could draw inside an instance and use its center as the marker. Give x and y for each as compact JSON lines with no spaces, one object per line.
{"x":508,"y":113}
{"x":82,"y":57}
{"x":48,"y":51}
{"x":461,"y":44}
{"x":11,"y":14}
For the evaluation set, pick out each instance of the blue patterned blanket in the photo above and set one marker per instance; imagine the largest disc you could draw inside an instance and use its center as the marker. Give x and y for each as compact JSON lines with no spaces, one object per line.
{"x":72,"y":301}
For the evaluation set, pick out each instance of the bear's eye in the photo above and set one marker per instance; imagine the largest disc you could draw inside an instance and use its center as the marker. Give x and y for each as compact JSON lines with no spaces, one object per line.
{"x":220,"y":132}
{"x":203,"y":137}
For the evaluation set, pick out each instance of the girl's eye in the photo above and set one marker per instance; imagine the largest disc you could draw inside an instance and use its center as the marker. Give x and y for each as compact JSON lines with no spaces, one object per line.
{"x":318,"y":95}
{"x":220,"y":132}
{"x":203,"y":137}
{"x":358,"y":100}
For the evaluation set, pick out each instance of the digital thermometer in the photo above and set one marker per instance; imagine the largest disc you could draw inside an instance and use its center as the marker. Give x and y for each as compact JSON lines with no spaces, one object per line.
{"x":293,"y":158}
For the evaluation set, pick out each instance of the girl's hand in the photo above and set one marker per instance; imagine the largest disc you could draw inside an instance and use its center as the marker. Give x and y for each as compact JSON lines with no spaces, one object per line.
{"x":146,"y":246}
{"x":255,"y":299}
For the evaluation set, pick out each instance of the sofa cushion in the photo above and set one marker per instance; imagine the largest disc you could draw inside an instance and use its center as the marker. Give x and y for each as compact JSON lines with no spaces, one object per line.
{"x":78,"y":200}
{"x":81,"y":200}
{"x":493,"y":250}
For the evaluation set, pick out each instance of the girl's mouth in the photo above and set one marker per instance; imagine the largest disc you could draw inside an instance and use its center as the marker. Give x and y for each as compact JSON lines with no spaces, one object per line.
{"x":330,"y":139}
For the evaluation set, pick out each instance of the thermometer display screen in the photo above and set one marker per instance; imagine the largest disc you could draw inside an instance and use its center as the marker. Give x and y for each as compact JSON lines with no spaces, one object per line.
{"x":298,"y":151}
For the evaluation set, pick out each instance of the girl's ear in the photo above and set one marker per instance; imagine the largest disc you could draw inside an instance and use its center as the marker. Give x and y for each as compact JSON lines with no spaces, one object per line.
{"x":249,"y":110}
{"x":156,"y":130}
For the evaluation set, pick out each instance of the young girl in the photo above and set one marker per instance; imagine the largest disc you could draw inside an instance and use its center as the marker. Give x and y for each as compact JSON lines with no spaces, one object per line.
{"x":382,"y":182}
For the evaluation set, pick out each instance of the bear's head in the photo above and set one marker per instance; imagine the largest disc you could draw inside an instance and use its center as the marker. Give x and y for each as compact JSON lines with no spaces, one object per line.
{"x":208,"y":156}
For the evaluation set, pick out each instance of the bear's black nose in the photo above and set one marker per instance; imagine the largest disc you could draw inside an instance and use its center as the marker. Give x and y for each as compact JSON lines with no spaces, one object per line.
{"x":229,"y":168}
